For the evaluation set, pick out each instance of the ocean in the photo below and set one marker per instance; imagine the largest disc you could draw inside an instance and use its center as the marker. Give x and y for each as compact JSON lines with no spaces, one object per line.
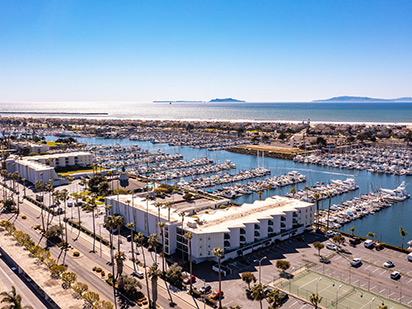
{"x":384,"y":113}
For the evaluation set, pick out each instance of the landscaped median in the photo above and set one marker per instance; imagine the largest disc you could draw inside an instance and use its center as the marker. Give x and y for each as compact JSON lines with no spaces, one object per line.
{"x":54,"y":280}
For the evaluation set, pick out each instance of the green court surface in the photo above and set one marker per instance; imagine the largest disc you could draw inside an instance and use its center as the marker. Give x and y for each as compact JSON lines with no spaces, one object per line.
{"x":336,"y":294}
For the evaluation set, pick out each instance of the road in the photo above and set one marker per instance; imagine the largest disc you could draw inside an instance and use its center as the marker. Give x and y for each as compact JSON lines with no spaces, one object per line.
{"x":8,"y":278}
{"x":82,"y":266}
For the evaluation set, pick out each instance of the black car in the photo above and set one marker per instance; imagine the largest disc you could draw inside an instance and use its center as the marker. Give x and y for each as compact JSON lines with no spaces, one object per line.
{"x":355,"y":241}
{"x":205,"y":289}
{"x":284,"y":297}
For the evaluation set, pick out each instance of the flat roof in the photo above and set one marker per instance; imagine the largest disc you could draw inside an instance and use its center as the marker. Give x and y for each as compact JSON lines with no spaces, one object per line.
{"x":218,"y":220}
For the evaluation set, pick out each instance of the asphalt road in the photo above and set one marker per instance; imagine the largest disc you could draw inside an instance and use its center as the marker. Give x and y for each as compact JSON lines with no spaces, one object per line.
{"x":9,"y":278}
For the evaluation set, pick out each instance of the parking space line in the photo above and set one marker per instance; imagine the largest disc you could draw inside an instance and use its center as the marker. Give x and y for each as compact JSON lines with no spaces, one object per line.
{"x":375,"y":270}
{"x":384,"y":271}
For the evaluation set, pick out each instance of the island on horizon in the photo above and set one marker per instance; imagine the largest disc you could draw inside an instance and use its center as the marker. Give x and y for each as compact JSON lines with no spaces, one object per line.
{"x":226,"y":100}
{"x":346,"y":99}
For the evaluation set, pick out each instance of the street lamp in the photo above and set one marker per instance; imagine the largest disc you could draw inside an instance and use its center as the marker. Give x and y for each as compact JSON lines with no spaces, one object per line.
{"x":317,"y":283}
{"x":337,"y":293}
{"x":260,"y":267}
{"x":100,"y":233}
{"x":373,"y":299}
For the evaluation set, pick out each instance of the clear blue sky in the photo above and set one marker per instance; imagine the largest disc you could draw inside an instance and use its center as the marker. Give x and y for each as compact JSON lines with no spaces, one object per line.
{"x":144,"y":50}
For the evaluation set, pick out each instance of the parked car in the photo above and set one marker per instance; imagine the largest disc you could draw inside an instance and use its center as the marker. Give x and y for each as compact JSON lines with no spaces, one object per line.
{"x":205,"y":289}
{"x":284,"y":297}
{"x":395,"y":275}
{"x":216,"y":294}
{"x":331,"y":246}
{"x":330,"y":233}
{"x":355,"y":240}
{"x":138,"y":274}
{"x":188,"y":279}
{"x":69,"y":204}
{"x":369,"y":244}
{"x":388,"y":264}
{"x":410,"y":257}
{"x":356,"y":262}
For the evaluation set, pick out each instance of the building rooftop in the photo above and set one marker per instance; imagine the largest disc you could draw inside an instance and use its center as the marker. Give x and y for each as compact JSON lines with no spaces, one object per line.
{"x":209,"y":219}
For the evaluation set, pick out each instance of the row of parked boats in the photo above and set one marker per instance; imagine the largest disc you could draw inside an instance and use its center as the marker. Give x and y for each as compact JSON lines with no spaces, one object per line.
{"x":372,"y":159}
{"x":364,"y":205}
{"x":194,"y":140}
{"x":219,"y":179}
{"x":239,"y":189}
{"x":166,"y":172}
{"x":324,"y":190}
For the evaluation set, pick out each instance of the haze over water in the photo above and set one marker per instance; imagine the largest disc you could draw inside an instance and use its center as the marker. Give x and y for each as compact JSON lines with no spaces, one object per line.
{"x":317,"y":112}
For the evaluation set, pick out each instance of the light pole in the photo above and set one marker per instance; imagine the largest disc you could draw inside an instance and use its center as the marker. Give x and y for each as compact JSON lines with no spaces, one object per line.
{"x":373,"y":300}
{"x":337,"y":293}
{"x":260,"y":267}
{"x":100,"y":233}
{"x":317,"y":284}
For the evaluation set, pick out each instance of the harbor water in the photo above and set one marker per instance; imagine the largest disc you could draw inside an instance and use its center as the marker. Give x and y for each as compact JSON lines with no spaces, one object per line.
{"x":384,"y":223}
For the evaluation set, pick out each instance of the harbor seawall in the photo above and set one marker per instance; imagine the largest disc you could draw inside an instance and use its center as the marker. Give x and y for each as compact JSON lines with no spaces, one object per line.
{"x":289,"y":155}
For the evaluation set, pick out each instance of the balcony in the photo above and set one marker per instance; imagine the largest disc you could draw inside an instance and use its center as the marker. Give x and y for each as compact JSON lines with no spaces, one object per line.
{"x":242,"y":232}
{"x":227,"y":244}
{"x":227,"y":236}
{"x":270,"y":229}
{"x":257,"y":234}
{"x":270,"y":222}
{"x":282,"y":218}
{"x":242,"y":239}
{"x":257,"y":227}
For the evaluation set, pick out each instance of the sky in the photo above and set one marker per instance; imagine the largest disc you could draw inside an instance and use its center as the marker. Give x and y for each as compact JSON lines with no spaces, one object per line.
{"x":259,"y":51}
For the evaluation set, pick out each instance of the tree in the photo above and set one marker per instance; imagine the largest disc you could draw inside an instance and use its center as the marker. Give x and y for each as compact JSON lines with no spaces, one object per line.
{"x":174,"y":274}
{"x":80,"y":288}
{"x":118,"y":221}
{"x":259,"y":193}
{"x":110,"y":223}
{"x":54,"y":232}
{"x":275,"y":299}
{"x":293,"y":191}
{"x":316,"y":197}
{"x":120,"y":257}
{"x":330,"y":201}
{"x":154,"y":274}
{"x":57,"y":270}
{"x":140,"y":241}
{"x":187,"y":197}
{"x":352,"y":230}
{"x":282,"y":265}
{"x":248,"y":277}
{"x":13,"y":300}
{"x":91,"y":297}
{"x":131,"y":226}
{"x":69,"y":278}
{"x":95,"y":181}
{"x":315,"y":299}
{"x":91,"y":206}
{"x":371,"y":235}
{"x":403,"y":234}
{"x":188,"y":236}
{"x":162,"y":227}
{"x":153,"y":242}
{"x":339,"y":239}
{"x":258,"y":293}
{"x":218,"y":252}
{"x":128,"y":286}
{"x":318,"y":246}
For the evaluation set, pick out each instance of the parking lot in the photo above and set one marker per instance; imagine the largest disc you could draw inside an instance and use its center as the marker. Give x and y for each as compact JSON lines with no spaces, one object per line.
{"x":371,"y":277}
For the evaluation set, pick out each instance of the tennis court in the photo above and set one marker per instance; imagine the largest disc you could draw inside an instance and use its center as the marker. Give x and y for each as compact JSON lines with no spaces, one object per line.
{"x":336,"y":294}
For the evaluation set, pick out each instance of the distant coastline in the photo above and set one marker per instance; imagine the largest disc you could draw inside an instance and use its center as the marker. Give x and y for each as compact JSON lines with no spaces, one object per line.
{"x":352,"y":99}
{"x":226,"y":100}
{"x":217,"y":100}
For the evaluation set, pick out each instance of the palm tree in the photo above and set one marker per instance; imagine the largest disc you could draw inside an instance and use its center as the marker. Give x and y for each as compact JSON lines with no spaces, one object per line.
{"x":371,"y":235}
{"x":169,"y":206}
{"x":316,"y":197}
{"x":403,"y":234}
{"x":188,"y":236}
{"x":352,"y":229}
{"x":162,"y":230}
{"x":146,"y":219}
{"x":13,"y":299}
{"x":293,"y":191}
{"x":306,"y":188}
{"x":140,"y":241}
{"x":259,"y":193}
{"x":119,"y":257}
{"x":76,"y":196}
{"x":319,"y":246}
{"x":110,"y":224}
{"x":154,"y":274}
{"x":131,"y":226}
{"x":315,"y":299}
{"x":275,"y":299}
{"x":91,"y":206}
{"x":218,"y":252}
{"x":257,"y":292}
{"x":182,"y":214}
{"x":119,"y":223}
{"x":330,"y":201}
{"x":38,"y":185}
{"x":158,"y":206}
{"x":152,"y":241}
{"x":64,"y":195}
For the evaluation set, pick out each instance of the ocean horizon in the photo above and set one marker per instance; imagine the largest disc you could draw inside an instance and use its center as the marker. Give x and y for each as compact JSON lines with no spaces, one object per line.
{"x":342,"y":112}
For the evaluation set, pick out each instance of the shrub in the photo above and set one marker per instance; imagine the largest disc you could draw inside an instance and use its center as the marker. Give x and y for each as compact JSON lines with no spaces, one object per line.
{"x":110,"y":275}
{"x":94,"y":268}
{"x":76,"y":253}
{"x":23,"y":217}
{"x":99,"y":270}
{"x":103,"y":273}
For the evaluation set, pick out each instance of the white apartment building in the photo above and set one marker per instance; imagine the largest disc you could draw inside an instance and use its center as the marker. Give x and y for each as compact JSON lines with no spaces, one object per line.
{"x":34,"y":168}
{"x":238,"y":230}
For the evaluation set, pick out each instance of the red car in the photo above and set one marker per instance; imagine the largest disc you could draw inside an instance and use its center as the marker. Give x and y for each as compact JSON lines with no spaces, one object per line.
{"x":215,"y":294}
{"x":187,"y":279}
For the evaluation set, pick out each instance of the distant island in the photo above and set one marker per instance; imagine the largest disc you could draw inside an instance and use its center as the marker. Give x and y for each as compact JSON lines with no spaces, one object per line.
{"x":212,"y":101}
{"x":363,"y":99}
{"x":226,"y":100}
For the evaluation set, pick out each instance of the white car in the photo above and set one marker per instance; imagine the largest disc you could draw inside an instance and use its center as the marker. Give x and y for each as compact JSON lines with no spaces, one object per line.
{"x":331,"y":246}
{"x":330,"y":233}
{"x":395,"y":275}
{"x":369,"y":244}
{"x":410,"y":257}
{"x":356,"y":262}
{"x":388,"y":264}
{"x":138,"y":274}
